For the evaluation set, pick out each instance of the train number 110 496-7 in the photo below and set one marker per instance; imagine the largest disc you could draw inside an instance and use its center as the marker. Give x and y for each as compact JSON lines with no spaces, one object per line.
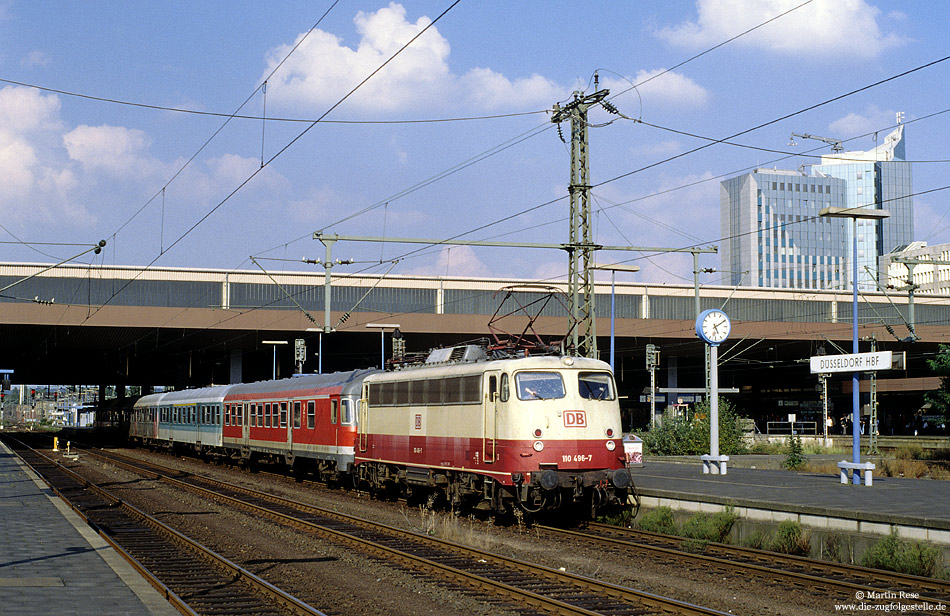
{"x":578,"y":457}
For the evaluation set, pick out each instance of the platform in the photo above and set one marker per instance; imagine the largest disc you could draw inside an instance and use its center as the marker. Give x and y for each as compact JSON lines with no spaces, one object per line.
{"x":917,"y":508}
{"x":51,"y":562}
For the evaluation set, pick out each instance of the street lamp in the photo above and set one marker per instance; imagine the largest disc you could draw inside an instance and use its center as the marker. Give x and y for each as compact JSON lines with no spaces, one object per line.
{"x":854,"y":213}
{"x":382,"y":339}
{"x":276,"y":343}
{"x":613,"y":269}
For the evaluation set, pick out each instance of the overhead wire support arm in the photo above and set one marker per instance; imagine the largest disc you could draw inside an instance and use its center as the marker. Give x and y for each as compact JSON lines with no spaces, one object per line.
{"x":835,"y":143}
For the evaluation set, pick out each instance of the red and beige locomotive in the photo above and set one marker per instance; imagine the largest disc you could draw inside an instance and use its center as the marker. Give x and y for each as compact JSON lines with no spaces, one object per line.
{"x":524,"y":434}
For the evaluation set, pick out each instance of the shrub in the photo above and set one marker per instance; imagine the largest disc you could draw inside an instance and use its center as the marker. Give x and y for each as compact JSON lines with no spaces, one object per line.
{"x":758,"y":540}
{"x":909,"y":452}
{"x":912,"y":557}
{"x":903,"y":468}
{"x":833,"y":548}
{"x":790,"y":538}
{"x":679,"y":436}
{"x":710,"y":528}
{"x":795,"y":454}
{"x":659,"y":520}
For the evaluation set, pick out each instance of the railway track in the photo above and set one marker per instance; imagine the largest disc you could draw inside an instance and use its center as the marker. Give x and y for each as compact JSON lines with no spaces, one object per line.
{"x":524,"y":586}
{"x":190,"y":576}
{"x":846,"y":580}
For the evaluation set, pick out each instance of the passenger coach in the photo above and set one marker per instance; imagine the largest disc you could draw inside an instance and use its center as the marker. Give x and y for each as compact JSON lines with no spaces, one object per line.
{"x":307,"y":421}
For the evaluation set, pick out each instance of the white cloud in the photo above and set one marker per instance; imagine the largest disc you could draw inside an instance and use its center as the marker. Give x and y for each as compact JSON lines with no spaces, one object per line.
{"x":25,"y":110}
{"x":322,"y":70}
{"x":455,"y":261}
{"x":855,"y":124}
{"x":846,"y":28}
{"x":487,"y":89}
{"x":657,"y":89}
{"x":315,"y":206}
{"x":35,"y":58}
{"x":112,"y":149}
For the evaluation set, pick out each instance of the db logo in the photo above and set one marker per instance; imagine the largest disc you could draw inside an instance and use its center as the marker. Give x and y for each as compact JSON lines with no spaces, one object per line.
{"x":575,"y":419}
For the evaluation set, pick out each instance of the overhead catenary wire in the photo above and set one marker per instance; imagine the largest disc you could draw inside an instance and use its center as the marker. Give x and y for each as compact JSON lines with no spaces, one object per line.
{"x":300,"y":135}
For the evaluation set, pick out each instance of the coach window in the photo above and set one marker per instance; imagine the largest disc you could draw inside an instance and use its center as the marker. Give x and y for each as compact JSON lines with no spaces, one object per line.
{"x":267,"y":415}
{"x":334,"y":406}
{"x":258,"y":409}
{"x":505,"y":393}
{"x":311,"y":414}
{"x":296,"y":414}
{"x":283,"y":414}
{"x":539,"y":385}
{"x":227,"y":414}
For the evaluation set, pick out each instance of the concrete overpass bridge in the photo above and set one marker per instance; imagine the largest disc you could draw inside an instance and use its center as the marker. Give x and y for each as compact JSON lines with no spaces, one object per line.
{"x":191,"y":327}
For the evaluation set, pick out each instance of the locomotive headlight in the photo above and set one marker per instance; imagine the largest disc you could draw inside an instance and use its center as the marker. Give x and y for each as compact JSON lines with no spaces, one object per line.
{"x":538,"y":446}
{"x":567,"y":360}
{"x":611,"y":445}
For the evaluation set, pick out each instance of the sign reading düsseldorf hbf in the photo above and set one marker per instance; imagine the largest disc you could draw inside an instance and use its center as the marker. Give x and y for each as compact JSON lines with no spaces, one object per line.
{"x":857,"y":362}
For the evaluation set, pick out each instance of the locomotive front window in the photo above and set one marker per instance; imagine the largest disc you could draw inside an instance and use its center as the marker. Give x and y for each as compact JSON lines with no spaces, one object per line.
{"x":539,"y":385}
{"x":347,"y":416}
{"x":595,"y":385}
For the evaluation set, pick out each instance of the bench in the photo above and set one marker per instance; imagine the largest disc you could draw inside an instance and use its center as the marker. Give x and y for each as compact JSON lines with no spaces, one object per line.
{"x":715,"y":465}
{"x":867,"y":467}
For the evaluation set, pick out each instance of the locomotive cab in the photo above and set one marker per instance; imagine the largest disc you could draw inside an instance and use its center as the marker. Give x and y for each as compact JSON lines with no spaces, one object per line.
{"x":564,"y":427}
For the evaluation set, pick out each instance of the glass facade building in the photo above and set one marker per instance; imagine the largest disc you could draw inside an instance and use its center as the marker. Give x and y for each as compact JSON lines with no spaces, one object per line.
{"x":774,"y":236}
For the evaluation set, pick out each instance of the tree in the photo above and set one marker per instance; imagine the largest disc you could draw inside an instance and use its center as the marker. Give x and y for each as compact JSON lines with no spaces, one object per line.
{"x":939,"y":399}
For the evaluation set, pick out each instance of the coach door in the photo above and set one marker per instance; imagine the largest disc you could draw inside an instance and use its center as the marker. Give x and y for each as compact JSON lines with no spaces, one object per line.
{"x":242,"y":410}
{"x":490,"y":415}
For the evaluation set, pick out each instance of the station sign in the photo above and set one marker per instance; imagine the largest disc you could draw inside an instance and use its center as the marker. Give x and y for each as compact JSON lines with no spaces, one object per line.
{"x":857,"y":362}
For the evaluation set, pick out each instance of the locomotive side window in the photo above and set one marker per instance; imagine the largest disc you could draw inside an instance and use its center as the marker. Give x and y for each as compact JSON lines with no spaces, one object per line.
{"x":539,"y":385}
{"x":296,"y":414}
{"x":595,"y":385}
{"x":505,"y":385}
{"x":433,"y":392}
{"x":347,"y":416}
{"x":311,"y":414}
{"x":333,"y":411}
{"x":401,"y":393}
{"x":472,"y":388}
{"x":417,"y":392}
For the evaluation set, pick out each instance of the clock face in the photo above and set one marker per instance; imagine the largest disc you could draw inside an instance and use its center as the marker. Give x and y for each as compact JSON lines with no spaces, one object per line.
{"x":713,"y":326}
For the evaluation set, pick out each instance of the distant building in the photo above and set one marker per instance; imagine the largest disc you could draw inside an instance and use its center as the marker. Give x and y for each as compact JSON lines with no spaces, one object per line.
{"x":931,"y":272}
{"x":774,"y":236}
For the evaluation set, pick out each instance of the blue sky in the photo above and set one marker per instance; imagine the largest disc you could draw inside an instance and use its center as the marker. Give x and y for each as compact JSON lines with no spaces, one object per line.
{"x":74,"y":170}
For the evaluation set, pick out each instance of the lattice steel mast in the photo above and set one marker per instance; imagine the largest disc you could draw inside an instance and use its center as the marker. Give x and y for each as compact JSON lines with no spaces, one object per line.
{"x":580,"y":247}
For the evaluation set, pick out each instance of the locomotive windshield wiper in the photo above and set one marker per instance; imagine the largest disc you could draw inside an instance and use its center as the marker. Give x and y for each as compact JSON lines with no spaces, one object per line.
{"x":531,"y":392}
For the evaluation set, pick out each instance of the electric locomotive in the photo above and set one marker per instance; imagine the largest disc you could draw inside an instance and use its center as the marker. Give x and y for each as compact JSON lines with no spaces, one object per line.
{"x":521,"y":434}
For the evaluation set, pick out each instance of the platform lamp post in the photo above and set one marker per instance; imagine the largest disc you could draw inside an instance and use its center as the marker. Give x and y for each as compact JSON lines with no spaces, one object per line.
{"x":613,"y":269}
{"x":275,"y":343}
{"x":854,"y":213}
{"x":382,"y":339}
